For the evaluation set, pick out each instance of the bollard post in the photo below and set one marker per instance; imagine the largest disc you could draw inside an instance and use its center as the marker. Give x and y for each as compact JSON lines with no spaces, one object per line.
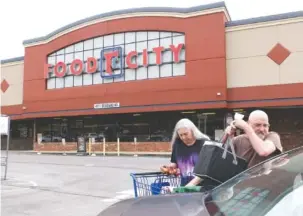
{"x":103,"y":146}
{"x":39,"y":142}
{"x":63,"y":143}
{"x":93,"y":150}
{"x":89,"y":145}
{"x":135,"y":141}
{"x":118,"y":146}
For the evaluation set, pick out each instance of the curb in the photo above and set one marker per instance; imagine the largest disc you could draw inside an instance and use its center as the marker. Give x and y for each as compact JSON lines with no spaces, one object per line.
{"x":100,"y":154}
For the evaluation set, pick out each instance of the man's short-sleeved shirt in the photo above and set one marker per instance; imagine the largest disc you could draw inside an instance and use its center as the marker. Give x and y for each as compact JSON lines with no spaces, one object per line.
{"x":245,"y":150}
{"x":186,"y":158}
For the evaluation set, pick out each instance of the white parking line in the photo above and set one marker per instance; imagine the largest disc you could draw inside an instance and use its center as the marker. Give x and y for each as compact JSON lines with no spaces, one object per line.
{"x":121,"y":195}
{"x":9,"y":190}
{"x":19,"y":182}
{"x":34,"y":184}
{"x":131,"y":191}
{"x":110,"y":200}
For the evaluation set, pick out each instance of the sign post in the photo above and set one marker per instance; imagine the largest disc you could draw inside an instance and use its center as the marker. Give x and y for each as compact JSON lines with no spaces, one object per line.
{"x":5,"y":130}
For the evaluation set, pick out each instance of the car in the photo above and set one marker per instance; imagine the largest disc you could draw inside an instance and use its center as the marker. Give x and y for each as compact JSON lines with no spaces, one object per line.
{"x":271,"y":188}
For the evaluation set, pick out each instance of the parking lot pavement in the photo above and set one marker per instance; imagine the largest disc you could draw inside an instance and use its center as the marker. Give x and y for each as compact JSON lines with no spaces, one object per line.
{"x":69,"y":185}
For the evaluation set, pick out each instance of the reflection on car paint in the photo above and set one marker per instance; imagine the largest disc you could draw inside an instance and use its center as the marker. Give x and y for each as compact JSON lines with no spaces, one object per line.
{"x":243,"y":203}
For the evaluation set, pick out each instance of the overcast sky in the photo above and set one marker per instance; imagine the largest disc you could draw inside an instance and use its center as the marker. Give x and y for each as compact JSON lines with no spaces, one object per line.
{"x":26,"y":19}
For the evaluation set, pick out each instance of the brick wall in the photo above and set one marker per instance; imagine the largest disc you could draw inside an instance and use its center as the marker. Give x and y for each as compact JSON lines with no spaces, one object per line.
{"x":17,"y":143}
{"x":289,"y":140}
{"x":109,"y":147}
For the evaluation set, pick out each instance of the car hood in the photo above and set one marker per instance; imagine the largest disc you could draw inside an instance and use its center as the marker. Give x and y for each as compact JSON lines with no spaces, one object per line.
{"x":189,"y":204}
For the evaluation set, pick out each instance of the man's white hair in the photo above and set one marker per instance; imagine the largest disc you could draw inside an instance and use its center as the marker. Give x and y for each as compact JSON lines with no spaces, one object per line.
{"x":257,"y":114}
{"x":186,"y":123}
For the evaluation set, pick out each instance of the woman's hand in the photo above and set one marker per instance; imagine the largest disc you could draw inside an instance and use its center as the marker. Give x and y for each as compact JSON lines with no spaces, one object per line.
{"x":194,"y":182}
{"x":172,"y":165}
{"x":164,"y":169}
{"x":170,"y":169}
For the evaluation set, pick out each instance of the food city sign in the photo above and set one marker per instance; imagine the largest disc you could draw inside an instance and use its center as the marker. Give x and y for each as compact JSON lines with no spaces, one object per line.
{"x":113,"y":60}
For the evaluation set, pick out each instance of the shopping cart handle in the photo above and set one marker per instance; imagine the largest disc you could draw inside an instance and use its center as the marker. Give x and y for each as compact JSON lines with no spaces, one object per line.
{"x":153,"y":183}
{"x":146,"y":173}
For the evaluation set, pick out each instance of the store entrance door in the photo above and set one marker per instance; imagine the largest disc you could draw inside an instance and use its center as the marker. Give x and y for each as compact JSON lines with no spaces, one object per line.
{"x":202,"y":123}
{"x":211,"y":124}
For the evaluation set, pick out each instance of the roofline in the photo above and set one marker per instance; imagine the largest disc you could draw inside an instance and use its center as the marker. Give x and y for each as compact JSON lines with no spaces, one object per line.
{"x":130,"y":11}
{"x":261,"y":19}
{"x":11,"y":60}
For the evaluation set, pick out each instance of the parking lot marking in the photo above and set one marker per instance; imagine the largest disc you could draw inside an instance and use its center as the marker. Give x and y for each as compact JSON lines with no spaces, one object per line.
{"x":111,"y":200}
{"x":121,"y":195}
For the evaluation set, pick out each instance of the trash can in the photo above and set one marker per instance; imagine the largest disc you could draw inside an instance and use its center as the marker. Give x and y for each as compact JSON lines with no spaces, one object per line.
{"x":81,"y":146}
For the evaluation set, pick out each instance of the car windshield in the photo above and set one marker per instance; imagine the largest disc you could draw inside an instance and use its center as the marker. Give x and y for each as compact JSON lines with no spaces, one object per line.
{"x":259,"y":189}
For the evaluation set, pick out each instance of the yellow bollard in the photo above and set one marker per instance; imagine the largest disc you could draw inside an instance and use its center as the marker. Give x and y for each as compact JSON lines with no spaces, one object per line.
{"x":89,"y":145}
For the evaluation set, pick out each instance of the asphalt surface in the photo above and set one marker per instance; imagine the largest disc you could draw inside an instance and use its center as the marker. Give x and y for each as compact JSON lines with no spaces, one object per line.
{"x":69,"y":185}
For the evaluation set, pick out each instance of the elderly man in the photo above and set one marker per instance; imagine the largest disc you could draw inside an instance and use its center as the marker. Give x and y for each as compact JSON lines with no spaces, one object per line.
{"x":258,"y":143}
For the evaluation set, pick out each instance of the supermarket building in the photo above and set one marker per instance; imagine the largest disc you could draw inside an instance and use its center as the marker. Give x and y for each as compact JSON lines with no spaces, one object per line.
{"x":134,"y":73}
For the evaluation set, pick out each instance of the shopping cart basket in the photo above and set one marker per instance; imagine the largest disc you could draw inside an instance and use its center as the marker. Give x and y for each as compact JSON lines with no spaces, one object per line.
{"x":153,"y":183}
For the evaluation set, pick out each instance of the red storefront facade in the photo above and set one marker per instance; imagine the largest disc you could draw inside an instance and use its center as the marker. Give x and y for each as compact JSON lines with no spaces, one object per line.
{"x":201,"y":80}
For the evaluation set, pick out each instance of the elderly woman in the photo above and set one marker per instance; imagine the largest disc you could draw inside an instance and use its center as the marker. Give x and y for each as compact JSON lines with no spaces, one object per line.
{"x":187,"y":142}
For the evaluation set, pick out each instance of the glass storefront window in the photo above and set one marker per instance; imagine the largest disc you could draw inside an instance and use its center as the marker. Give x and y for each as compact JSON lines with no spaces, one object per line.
{"x":146,"y":127}
{"x":21,"y":129}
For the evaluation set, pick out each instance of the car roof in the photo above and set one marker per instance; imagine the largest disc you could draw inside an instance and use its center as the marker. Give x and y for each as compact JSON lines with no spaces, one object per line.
{"x":290,"y":154}
{"x":286,"y":163}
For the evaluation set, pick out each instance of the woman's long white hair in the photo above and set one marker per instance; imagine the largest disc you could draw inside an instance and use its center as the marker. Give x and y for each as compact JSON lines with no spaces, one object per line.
{"x":186,"y":123}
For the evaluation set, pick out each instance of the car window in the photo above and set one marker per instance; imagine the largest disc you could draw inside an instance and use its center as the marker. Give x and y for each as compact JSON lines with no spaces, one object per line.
{"x":258,"y":190}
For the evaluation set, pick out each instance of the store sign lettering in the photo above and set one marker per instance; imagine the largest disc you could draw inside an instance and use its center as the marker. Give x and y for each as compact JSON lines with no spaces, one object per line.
{"x":114,"y":60}
{"x":107,"y":105}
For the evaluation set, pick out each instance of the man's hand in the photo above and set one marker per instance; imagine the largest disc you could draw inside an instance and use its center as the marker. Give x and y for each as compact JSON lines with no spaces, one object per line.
{"x":241,"y":124}
{"x":230,"y":130}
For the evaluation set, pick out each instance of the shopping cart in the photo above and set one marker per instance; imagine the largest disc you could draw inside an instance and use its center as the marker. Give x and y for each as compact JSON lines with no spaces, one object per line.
{"x":153,"y":183}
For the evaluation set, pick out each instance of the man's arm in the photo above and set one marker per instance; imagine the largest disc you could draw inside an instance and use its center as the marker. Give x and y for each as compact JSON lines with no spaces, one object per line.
{"x":263,"y":147}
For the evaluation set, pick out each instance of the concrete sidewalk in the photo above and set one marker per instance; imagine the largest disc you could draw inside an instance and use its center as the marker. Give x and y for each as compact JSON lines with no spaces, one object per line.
{"x":99,"y":153}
